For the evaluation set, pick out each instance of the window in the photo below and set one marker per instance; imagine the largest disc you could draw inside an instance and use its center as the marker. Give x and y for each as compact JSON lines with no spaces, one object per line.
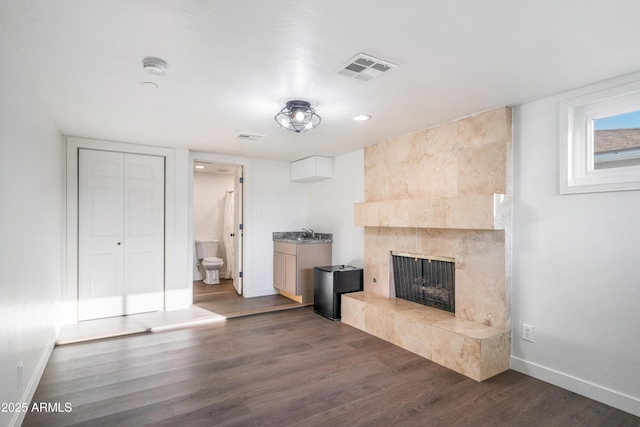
{"x":616,"y":141}
{"x":600,"y":141}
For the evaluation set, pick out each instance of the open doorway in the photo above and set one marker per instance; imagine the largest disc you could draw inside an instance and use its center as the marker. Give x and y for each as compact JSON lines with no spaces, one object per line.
{"x":217,"y":229}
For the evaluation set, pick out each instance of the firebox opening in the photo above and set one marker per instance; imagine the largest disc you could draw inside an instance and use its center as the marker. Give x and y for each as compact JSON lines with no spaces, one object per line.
{"x":426,"y":280}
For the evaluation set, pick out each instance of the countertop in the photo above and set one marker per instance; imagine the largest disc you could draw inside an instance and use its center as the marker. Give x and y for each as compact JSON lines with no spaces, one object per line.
{"x":300,"y":237}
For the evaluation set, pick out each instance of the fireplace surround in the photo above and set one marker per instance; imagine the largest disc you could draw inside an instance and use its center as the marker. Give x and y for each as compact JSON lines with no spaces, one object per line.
{"x":444,"y":190}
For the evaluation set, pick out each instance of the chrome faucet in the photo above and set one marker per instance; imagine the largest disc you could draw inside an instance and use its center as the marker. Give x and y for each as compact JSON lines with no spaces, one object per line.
{"x":313,"y":233}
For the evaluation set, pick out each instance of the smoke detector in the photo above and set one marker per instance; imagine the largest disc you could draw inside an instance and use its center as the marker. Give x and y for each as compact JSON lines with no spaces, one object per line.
{"x":155,"y":66}
{"x":365,"y":67}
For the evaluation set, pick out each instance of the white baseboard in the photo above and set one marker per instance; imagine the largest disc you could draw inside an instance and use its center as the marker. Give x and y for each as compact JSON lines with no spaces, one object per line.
{"x":585,"y":388}
{"x":247,"y":293}
{"x":30,"y":390}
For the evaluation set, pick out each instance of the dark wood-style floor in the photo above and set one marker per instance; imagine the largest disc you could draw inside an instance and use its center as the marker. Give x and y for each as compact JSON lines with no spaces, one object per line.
{"x":289,"y":368}
{"x":224,"y":300}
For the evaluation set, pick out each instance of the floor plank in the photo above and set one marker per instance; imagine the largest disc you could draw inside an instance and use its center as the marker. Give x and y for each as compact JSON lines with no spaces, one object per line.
{"x":289,"y":368}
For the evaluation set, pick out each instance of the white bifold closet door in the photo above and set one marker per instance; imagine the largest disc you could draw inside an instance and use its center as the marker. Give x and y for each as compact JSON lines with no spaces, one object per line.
{"x":120,"y":234}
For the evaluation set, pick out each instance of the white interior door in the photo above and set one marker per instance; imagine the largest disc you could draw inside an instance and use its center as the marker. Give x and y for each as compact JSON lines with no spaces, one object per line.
{"x":143,"y":233}
{"x":100,"y":226}
{"x":238,"y":231}
{"x":120,"y":234}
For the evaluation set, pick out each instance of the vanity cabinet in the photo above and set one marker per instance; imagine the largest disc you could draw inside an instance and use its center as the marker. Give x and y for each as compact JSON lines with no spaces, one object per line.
{"x":293,"y":265}
{"x":284,"y":272}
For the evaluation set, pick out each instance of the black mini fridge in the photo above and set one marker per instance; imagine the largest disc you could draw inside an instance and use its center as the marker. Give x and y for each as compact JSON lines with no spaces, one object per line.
{"x":329,"y":283}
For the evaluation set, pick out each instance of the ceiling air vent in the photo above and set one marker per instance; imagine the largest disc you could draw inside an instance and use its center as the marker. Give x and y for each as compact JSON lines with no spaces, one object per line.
{"x":364,"y":67}
{"x":249,"y":136}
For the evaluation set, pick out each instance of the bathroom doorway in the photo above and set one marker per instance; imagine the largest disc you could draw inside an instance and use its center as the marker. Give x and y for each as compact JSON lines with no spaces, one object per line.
{"x":217,"y":217}
{"x":212,"y":182}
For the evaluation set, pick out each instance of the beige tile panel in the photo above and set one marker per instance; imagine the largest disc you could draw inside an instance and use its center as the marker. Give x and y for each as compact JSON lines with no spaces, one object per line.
{"x":467,"y":156}
{"x":482,"y":169}
{"x":470,"y":212}
{"x":377,"y":244}
{"x":352,"y":311}
{"x":474,"y":350}
{"x":379,"y":321}
{"x":476,"y":212}
{"x":376,"y":260}
{"x":484,"y":128}
{"x":481,"y":298}
{"x":412,"y":335}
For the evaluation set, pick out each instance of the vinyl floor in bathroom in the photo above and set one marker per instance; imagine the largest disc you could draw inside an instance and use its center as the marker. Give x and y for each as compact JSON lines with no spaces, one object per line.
{"x":223,"y":300}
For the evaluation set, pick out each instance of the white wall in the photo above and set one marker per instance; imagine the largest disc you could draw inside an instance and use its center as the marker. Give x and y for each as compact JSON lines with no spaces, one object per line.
{"x":31,"y":230}
{"x":209,"y":192}
{"x":576,"y":270}
{"x":277,"y":205}
{"x":330,"y":208}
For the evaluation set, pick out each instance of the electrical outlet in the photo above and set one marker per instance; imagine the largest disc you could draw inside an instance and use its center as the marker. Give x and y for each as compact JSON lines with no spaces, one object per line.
{"x":19,"y":375}
{"x":527,"y":333}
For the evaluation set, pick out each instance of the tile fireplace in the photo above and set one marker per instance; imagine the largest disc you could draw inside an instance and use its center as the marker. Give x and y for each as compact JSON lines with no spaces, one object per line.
{"x":447,"y":191}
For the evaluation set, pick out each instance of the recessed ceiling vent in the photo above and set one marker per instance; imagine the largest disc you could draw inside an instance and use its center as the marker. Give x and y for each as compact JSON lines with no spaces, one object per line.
{"x":364,"y":67}
{"x":249,"y":136}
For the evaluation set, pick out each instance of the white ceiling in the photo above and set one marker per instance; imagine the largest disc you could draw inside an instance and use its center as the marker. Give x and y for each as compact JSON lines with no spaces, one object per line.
{"x":233,"y":63}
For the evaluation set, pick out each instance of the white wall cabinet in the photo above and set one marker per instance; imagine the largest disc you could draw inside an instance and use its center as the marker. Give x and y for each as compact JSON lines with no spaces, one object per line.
{"x":312,"y":169}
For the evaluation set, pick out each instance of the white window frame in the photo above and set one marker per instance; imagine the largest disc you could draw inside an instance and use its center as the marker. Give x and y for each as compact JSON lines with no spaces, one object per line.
{"x":577,"y":172}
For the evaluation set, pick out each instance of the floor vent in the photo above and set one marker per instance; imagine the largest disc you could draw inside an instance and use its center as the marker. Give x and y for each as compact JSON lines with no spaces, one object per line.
{"x":364,"y":67}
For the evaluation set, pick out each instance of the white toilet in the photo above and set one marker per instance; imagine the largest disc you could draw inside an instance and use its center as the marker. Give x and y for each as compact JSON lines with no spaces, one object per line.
{"x":210,"y":264}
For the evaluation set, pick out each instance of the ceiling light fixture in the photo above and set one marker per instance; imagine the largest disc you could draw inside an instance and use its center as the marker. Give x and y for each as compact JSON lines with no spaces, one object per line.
{"x":298,"y":116}
{"x":155,"y":66}
{"x":361,"y":117}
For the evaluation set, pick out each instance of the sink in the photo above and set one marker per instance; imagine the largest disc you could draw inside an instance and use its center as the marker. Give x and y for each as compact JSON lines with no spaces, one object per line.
{"x":318,"y":236}
{"x":307,"y":239}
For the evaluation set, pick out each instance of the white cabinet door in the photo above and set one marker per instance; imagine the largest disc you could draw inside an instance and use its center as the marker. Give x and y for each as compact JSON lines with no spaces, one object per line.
{"x":120,"y":234}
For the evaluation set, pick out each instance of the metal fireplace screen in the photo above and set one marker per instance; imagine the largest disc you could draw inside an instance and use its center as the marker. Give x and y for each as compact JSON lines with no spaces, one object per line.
{"x":426,"y":281}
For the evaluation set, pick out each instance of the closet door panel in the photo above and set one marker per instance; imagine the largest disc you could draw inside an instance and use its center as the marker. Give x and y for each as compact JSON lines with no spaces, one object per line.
{"x":100,"y":222}
{"x":143,"y":233}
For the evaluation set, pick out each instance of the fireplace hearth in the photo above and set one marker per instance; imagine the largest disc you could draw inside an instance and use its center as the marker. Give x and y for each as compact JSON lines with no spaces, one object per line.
{"x":425,"y":280}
